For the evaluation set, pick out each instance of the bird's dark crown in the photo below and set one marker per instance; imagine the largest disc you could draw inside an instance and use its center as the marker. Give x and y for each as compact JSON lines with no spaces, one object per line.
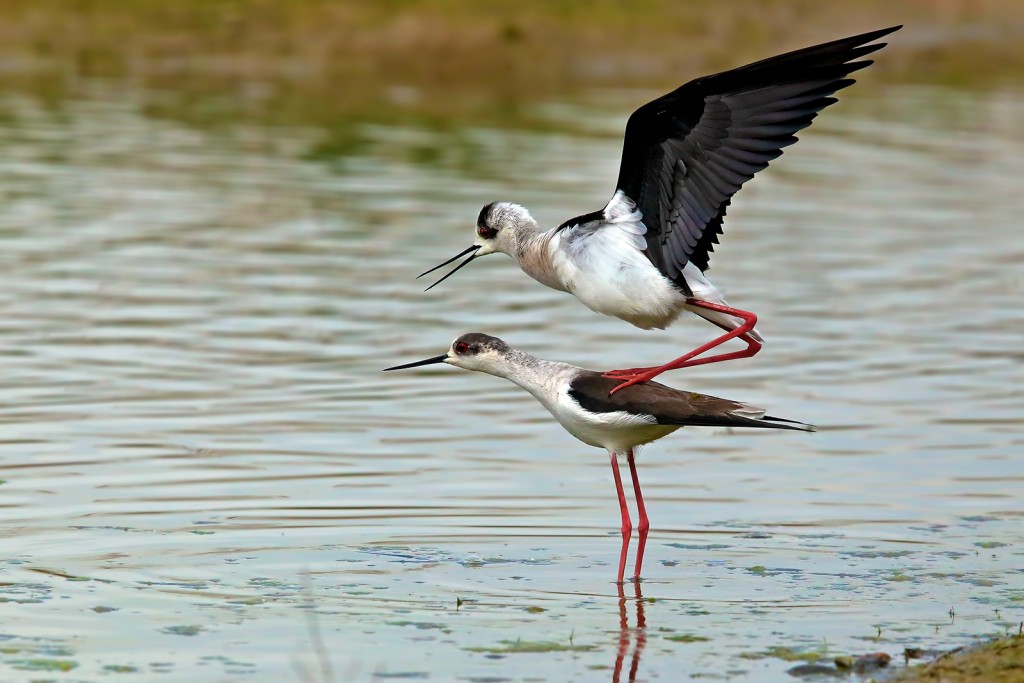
{"x":483,"y":226}
{"x":473,"y":343}
{"x":481,"y":220}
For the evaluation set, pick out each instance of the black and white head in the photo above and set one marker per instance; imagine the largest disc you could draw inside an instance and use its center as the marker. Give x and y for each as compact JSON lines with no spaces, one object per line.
{"x":472,"y":351}
{"x":498,"y":229}
{"x":499,"y":225}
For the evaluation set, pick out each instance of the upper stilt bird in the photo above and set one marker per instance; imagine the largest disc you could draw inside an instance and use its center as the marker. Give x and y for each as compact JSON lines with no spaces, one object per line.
{"x":579,"y":399}
{"x":643,"y":256}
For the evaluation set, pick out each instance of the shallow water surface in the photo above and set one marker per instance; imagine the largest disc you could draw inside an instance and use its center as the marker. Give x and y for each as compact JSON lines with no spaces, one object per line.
{"x":204,"y":474}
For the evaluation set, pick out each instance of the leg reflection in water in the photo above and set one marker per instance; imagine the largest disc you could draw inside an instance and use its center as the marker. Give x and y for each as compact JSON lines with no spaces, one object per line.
{"x":637,"y":635}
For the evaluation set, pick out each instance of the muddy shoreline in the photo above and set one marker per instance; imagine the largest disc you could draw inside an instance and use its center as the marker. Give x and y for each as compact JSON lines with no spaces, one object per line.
{"x":996,"y":661}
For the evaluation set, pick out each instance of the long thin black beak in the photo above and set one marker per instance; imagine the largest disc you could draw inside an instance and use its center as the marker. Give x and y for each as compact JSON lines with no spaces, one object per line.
{"x":472,"y":250}
{"x":428,"y":361}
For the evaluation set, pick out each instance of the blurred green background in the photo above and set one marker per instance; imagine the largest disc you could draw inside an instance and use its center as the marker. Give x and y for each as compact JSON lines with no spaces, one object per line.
{"x":320,"y":61}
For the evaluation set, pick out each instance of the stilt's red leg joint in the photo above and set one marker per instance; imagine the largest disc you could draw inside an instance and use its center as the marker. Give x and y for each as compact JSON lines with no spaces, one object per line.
{"x":640,"y":375}
{"x":644,"y":524}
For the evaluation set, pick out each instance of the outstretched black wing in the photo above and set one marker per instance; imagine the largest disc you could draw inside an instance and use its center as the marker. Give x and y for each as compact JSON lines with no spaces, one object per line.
{"x":688,"y":152}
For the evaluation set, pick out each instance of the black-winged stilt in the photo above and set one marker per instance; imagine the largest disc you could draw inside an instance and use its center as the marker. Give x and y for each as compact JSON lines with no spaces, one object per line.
{"x":579,"y":399}
{"x":642,"y":257}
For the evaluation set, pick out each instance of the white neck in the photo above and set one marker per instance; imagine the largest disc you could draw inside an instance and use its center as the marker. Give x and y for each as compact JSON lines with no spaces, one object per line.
{"x":533,"y":254}
{"x":539,"y":377}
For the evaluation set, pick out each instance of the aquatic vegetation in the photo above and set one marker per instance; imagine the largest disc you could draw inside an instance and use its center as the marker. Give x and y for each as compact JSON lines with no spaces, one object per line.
{"x":120,"y":668}
{"x":44,"y":664}
{"x":506,"y":647}
{"x":787,"y":654}
{"x":184,"y":630}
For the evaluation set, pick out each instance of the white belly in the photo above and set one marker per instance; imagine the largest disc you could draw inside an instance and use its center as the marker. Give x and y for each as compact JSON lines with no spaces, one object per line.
{"x":633,"y":290}
{"x":617,"y":432}
{"x":626,"y":286}
{"x":604,"y":266}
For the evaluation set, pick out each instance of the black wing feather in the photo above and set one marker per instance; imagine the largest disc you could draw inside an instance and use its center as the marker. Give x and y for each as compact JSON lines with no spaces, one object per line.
{"x":688,"y":152}
{"x":669,"y":406}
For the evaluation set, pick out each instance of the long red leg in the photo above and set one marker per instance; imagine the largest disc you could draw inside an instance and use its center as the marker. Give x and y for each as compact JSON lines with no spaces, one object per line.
{"x":753,"y":346}
{"x":644,"y":524}
{"x":627,"y":526}
{"x":640,"y":375}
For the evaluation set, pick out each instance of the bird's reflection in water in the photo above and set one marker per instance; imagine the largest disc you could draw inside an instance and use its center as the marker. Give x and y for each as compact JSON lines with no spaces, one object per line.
{"x":637,"y":636}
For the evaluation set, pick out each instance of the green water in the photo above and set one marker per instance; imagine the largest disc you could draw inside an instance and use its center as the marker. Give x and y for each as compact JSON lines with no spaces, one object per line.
{"x":204,"y":473}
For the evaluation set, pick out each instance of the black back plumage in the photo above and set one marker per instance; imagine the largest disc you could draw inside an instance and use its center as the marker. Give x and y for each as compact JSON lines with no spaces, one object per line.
{"x":670,"y":406}
{"x":688,"y":152}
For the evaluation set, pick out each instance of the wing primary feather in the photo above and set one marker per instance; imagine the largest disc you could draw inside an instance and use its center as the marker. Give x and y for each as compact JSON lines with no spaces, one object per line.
{"x":686,"y":153}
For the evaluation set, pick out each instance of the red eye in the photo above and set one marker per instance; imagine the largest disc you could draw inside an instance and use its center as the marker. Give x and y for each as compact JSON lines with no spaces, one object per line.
{"x":486,"y":232}
{"x":461,"y":347}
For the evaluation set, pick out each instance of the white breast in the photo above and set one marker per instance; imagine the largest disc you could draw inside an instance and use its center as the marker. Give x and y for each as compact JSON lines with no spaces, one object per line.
{"x":617,"y":431}
{"x":603,"y":265}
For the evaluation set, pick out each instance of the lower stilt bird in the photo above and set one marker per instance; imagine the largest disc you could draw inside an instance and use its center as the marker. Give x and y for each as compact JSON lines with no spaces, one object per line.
{"x":619,"y":423}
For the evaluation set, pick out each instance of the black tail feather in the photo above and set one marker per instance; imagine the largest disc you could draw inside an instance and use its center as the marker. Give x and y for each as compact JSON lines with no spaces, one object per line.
{"x":733,"y":420}
{"x":770,"y":422}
